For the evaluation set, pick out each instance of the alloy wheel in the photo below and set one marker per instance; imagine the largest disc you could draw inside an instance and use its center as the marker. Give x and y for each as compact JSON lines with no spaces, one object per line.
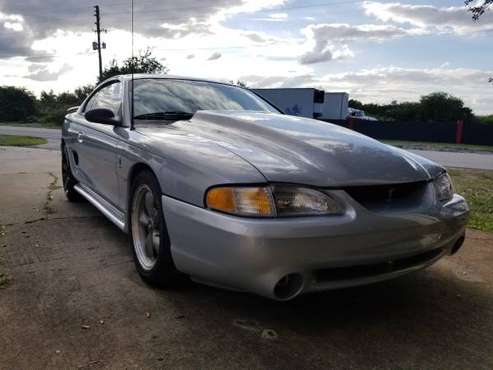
{"x":146,"y":227}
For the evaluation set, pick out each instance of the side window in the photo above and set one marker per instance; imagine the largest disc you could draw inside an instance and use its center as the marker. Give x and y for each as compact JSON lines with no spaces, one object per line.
{"x":109,"y":97}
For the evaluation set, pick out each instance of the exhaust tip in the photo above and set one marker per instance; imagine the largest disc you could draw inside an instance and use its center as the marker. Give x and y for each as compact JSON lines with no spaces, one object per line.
{"x":289,"y":286}
{"x":457,"y":245}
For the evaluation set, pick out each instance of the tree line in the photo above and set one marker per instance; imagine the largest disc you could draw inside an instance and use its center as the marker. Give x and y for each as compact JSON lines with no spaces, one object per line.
{"x":435,"y":107}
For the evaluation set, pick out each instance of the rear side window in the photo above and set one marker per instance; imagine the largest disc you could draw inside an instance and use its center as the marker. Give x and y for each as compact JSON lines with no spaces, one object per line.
{"x":109,"y":97}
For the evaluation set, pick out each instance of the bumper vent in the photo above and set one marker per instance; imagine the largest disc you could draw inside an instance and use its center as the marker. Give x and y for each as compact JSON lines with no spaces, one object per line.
{"x":381,"y":268}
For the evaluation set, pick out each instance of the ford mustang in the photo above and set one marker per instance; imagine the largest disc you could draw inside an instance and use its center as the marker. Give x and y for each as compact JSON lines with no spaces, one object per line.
{"x":213,"y":182}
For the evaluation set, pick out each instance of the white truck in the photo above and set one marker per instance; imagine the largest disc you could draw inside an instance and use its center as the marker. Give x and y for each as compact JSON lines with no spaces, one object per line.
{"x":308,"y":102}
{"x":360,"y":114}
{"x":335,"y":106}
{"x":304,"y":102}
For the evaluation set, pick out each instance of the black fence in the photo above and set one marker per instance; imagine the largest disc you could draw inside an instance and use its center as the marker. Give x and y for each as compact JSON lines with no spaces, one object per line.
{"x":438,"y":132}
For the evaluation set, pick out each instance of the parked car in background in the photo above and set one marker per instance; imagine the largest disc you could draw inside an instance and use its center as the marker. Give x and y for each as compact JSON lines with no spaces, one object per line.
{"x":215,"y":183}
{"x":359,"y":114}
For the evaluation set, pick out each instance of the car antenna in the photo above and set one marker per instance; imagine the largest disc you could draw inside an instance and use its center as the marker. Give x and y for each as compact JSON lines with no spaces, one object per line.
{"x":132,"y":126}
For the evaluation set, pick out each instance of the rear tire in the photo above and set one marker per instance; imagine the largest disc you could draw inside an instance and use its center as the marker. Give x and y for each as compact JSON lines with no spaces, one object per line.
{"x":149,"y":236}
{"x":68,"y":179}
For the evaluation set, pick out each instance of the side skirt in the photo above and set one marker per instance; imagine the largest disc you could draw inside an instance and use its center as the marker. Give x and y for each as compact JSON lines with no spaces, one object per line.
{"x":113,"y":214}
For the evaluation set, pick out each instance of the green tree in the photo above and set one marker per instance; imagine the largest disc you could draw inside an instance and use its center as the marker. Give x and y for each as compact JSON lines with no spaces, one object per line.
{"x":144,"y":63}
{"x":355,"y":104}
{"x":435,"y":107}
{"x":478,"y":9}
{"x":440,"y":106}
{"x":405,"y":111}
{"x":52,"y":108}
{"x":17,"y":104}
{"x":83,"y":92}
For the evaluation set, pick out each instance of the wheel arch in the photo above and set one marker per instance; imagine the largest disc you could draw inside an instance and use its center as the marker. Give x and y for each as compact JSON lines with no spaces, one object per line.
{"x":132,"y":174}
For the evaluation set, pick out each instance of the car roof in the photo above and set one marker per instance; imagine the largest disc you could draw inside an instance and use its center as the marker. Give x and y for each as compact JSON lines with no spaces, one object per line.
{"x":140,"y":76}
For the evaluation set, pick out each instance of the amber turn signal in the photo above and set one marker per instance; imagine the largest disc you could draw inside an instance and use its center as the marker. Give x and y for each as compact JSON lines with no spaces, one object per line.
{"x":243,"y":201}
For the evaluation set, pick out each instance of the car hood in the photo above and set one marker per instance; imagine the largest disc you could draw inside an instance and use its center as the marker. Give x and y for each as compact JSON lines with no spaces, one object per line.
{"x":305,"y":151}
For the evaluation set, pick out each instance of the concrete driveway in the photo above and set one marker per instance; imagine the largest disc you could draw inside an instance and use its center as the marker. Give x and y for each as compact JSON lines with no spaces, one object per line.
{"x":75,"y":301}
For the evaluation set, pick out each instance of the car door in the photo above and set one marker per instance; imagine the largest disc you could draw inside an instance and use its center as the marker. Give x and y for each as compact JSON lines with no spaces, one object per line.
{"x":98,"y":145}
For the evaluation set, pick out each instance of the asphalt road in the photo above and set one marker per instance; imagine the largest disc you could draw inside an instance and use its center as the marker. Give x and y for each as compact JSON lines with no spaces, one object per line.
{"x":448,"y":159}
{"x":482,"y":161}
{"x":51,"y":135}
{"x":75,"y":301}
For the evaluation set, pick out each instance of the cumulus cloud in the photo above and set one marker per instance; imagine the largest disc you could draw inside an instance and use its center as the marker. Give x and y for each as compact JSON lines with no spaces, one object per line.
{"x":317,"y":55}
{"x":328,"y":40}
{"x":429,"y":17}
{"x":382,"y":85}
{"x":43,"y":73}
{"x":152,"y":17}
{"x":215,"y":56}
{"x":274,"y":17}
{"x":15,"y":40}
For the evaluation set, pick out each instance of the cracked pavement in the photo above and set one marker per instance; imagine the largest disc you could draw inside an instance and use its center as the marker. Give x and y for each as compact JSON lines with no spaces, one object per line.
{"x":74,"y":300}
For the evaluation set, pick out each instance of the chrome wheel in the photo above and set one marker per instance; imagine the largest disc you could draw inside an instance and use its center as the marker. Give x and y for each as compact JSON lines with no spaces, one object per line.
{"x":146,"y":226}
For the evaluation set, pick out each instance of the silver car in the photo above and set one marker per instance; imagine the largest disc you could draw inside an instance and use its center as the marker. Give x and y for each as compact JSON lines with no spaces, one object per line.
{"x":213,"y":182}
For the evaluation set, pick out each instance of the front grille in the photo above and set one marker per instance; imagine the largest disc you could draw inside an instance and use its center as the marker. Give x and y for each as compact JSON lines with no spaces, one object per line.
{"x":376,"y":197}
{"x":380,"y":268}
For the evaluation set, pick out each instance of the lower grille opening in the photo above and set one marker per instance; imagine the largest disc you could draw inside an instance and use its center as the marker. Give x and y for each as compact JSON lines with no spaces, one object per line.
{"x":362,"y":271}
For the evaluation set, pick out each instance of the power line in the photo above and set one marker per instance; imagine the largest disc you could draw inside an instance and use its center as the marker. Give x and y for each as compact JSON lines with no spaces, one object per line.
{"x":277,"y":9}
{"x":174,"y":9}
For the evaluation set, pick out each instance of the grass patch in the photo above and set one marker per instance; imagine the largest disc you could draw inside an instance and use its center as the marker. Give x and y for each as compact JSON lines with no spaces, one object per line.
{"x":15,"y":140}
{"x":477,"y":187}
{"x":31,"y":124}
{"x":444,"y":147}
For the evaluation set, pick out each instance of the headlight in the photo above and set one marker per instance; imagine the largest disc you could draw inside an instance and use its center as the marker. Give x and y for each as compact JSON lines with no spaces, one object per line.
{"x":271,"y":201}
{"x":443,"y":187}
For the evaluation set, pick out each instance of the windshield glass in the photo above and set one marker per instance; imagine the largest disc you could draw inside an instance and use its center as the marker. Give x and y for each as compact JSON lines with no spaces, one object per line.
{"x":157,"y":98}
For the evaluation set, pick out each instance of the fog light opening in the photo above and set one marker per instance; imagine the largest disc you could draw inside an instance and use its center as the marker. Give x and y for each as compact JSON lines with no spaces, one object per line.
{"x":457,"y":245}
{"x":288,"y":286}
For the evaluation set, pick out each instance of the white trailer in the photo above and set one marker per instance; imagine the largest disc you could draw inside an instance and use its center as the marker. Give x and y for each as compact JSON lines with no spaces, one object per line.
{"x":335,"y":106}
{"x":304,"y":102}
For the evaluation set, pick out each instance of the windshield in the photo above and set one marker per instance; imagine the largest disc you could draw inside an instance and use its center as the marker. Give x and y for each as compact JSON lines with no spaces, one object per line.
{"x":158,"y":98}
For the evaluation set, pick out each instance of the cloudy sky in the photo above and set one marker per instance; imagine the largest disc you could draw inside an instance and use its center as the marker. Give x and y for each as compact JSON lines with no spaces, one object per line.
{"x":377,"y":51}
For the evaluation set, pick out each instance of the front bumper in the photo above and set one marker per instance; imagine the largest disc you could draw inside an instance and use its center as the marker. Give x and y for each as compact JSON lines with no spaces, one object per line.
{"x":255,"y":254}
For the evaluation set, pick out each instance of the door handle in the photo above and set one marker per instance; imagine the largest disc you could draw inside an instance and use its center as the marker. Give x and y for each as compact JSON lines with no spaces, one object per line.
{"x":80,"y":136}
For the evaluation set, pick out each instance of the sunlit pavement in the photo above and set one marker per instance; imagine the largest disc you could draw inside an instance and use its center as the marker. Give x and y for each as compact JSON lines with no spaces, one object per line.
{"x":75,"y":300}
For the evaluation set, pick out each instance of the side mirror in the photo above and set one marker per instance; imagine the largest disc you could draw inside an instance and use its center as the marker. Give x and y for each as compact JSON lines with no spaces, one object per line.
{"x":102,"y":115}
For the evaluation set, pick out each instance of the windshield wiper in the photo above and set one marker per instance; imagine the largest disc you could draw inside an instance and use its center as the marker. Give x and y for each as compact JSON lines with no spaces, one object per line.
{"x":164,"y":115}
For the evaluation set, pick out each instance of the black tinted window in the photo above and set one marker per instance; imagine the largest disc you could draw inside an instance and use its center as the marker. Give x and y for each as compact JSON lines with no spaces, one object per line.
{"x":168,"y":95}
{"x":108,"y":97}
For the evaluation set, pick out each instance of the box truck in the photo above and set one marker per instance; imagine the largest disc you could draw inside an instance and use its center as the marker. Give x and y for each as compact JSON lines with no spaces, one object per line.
{"x":304,"y":102}
{"x":335,"y":106}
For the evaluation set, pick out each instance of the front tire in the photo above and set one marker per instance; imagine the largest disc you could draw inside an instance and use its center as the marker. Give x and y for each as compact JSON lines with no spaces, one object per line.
{"x":68,"y":179}
{"x":149,"y":237}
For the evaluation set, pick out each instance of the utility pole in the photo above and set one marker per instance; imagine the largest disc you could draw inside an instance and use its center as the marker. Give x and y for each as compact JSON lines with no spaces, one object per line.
{"x":98,"y":45}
